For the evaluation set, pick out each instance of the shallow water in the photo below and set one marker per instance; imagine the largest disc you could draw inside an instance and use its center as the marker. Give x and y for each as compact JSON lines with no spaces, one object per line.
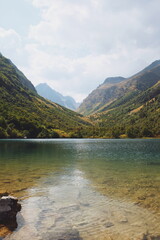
{"x":83,"y":189}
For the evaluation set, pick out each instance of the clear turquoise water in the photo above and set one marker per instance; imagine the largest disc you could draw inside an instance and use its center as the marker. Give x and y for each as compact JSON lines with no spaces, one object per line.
{"x":94,"y":188}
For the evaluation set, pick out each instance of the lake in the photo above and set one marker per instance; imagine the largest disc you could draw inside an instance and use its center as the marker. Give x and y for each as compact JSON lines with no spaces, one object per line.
{"x":83,"y":189}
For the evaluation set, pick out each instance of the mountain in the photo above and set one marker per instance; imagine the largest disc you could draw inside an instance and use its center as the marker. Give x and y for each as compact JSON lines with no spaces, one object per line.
{"x":117,"y":88}
{"x":102,"y":96}
{"x":11,"y":72}
{"x":133,"y":116}
{"x":122,"y":108}
{"x":129,"y":108}
{"x":47,"y":92}
{"x":23,"y":113}
{"x":113,"y":80}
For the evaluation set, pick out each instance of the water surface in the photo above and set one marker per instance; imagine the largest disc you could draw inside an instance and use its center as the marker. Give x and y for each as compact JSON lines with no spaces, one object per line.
{"x":83,"y":189}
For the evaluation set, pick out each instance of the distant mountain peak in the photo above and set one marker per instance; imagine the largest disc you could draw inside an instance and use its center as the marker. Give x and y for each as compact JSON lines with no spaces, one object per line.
{"x":154,"y":64}
{"x":24,"y":114}
{"x":118,"y":90}
{"x":46,"y":91}
{"x":114,"y":80}
{"x":150,"y":67}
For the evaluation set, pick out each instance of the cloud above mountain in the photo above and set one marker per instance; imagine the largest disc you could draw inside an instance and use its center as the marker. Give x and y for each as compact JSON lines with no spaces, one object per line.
{"x":75,"y":44}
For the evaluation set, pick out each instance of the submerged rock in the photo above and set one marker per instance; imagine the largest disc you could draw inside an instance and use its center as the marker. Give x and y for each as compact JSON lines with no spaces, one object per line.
{"x":9,"y":207}
{"x":109,"y":224}
{"x":70,"y":234}
{"x":149,"y":237}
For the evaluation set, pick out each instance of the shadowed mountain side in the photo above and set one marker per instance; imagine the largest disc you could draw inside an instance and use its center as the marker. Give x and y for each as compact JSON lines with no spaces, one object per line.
{"x":129,"y":108}
{"x":12,"y":73}
{"x":25,"y":114}
{"x":111,"y":90}
{"x":47,"y":92}
{"x":134,"y":115}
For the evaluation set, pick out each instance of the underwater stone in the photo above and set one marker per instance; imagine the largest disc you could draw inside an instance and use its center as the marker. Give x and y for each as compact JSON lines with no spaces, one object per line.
{"x":109,"y":224}
{"x":70,"y":234}
{"x":9,"y":207}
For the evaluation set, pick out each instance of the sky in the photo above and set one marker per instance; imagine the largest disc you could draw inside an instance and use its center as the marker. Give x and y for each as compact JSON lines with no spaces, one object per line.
{"x":74,"y":45}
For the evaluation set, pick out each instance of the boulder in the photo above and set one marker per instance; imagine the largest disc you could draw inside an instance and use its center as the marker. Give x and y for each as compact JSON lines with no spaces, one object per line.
{"x":9,"y":207}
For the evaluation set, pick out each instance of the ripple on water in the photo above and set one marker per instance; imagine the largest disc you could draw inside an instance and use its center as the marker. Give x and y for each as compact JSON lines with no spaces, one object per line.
{"x":68,"y":189}
{"x":68,"y":212}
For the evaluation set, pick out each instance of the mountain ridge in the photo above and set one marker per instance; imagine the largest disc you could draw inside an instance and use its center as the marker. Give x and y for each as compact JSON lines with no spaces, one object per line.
{"x":107,"y":93}
{"x":132,"y":108}
{"x":25,"y":114}
{"x":20,"y":77}
{"x":113,"y":80}
{"x":49,"y":93}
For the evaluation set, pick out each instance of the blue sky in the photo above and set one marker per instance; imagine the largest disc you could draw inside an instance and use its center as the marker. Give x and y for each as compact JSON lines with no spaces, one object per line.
{"x":73,"y":45}
{"x":18,"y":15}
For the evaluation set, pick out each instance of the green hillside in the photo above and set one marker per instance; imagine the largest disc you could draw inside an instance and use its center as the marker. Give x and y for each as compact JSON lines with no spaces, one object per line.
{"x":120,"y":108}
{"x":129,"y":108}
{"x":136,"y":114}
{"x":111,"y":93}
{"x":23,"y":113}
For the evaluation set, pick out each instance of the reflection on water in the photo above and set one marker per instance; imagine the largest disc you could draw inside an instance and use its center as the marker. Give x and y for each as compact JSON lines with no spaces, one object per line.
{"x":83,"y":189}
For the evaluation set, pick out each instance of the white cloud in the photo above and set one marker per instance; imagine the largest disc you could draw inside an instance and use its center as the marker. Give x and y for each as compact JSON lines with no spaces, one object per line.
{"x":8,"y":33}
{"x":95,"y":26}
{"x":77,"y":44}
{"x":12,"y":46}
{"x":9,"y":38}
{"x":80,"y":43}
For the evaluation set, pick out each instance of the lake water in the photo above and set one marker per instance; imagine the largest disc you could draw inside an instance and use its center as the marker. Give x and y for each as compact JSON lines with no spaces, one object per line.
{"x":90,"y":189}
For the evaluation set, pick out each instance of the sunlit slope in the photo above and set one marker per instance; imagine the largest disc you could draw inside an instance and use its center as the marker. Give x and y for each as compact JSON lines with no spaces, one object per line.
{"x":23,"y":113}
{"x":127,"y":107}
{"x":117,"y":91}
{"x":133,"y":115}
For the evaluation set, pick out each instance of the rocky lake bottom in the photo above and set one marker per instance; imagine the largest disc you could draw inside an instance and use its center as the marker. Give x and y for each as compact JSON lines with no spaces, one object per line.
{"x":83,"y":189}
